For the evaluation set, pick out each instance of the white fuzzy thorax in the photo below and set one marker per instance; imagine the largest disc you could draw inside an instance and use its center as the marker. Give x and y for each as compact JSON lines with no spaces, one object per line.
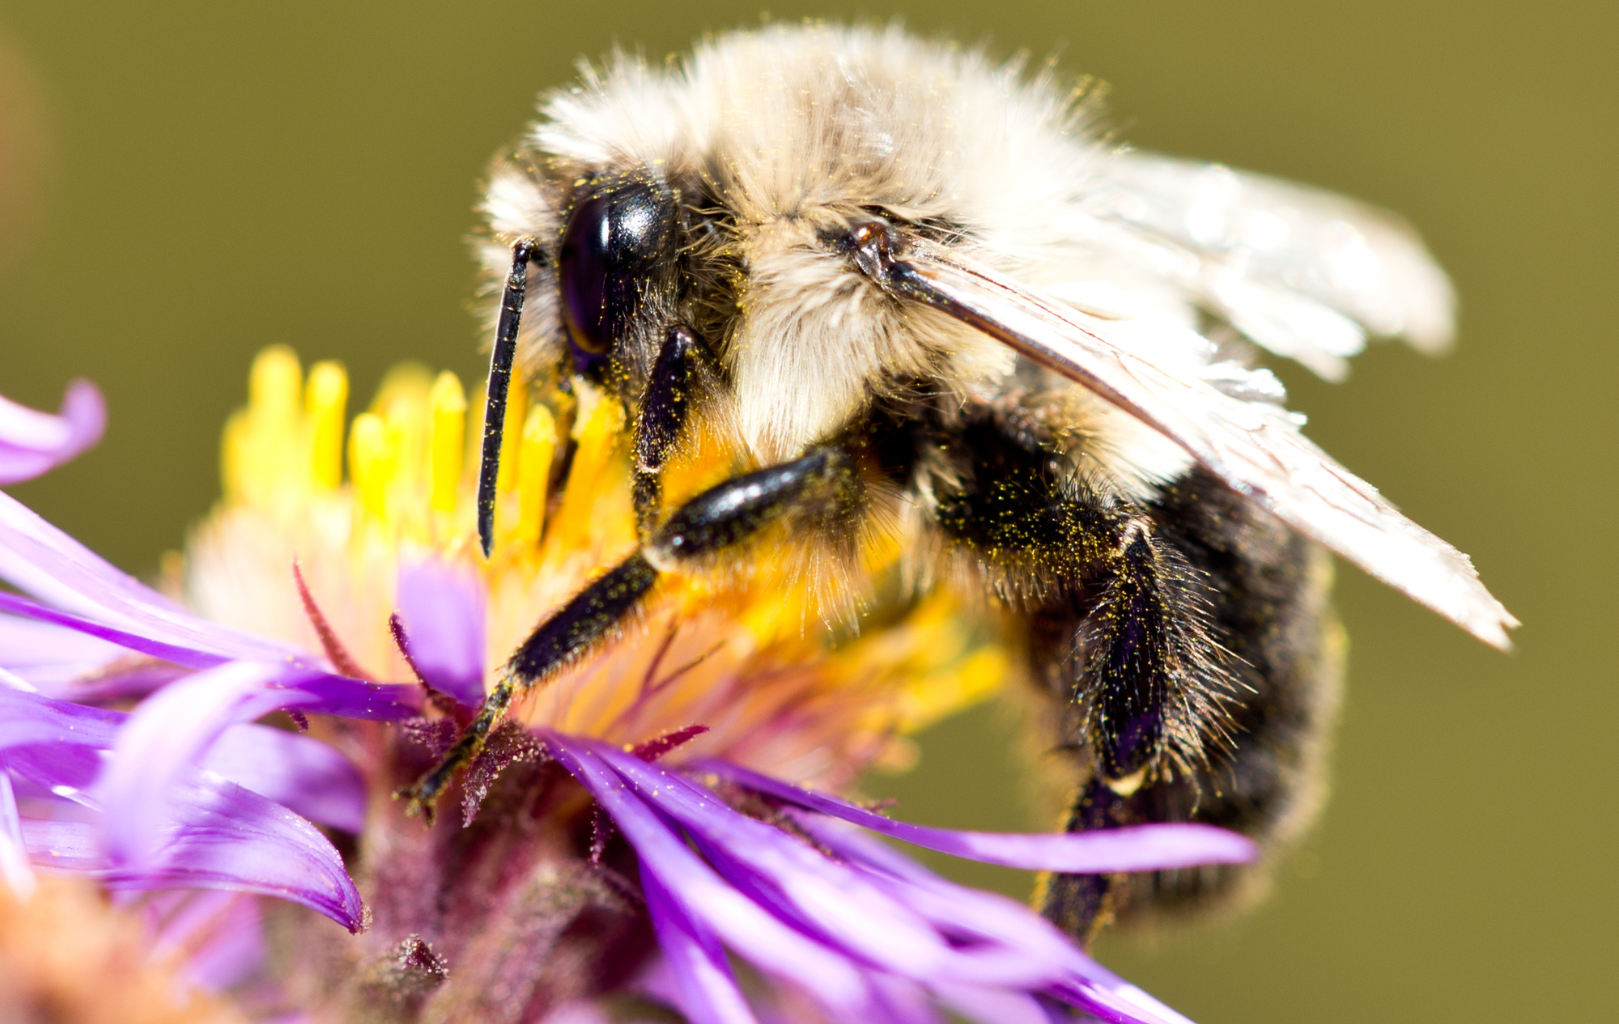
{"x":798,"y":131}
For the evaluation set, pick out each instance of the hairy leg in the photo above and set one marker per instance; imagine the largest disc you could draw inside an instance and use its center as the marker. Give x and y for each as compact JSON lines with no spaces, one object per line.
{"x":677,"y":379}
{"x":1121,"y":629}
{"x":1266,"y":601}
{"x":724,"y":516}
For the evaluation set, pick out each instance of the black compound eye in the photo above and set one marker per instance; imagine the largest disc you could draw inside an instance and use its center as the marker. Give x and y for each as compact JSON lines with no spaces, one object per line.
{"x":612,"y":244}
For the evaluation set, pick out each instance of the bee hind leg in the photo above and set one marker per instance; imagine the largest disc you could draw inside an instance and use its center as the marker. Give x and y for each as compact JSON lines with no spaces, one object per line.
{"x":1148,"y":698}
{"x":1261,"y":591}
{"x":1121,"y":634}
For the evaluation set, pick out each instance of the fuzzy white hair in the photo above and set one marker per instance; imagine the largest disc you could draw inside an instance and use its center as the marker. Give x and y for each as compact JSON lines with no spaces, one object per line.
{"x":797,"y":132}
{"x":801,"y":131}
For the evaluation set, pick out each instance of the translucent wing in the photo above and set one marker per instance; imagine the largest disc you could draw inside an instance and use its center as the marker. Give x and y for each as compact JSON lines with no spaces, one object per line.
{"x":1302,"y":272}
{"x":1161,"y":374}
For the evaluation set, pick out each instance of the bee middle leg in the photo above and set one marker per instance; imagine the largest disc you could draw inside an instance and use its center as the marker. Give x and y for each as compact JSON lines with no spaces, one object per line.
{"x":820,"y":484}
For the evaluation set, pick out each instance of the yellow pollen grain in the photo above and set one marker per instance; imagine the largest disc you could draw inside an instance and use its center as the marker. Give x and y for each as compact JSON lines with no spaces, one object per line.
{"x":326,"y":398}
{"x":449,"y":409}
{"x":534,"y":473}
{"x":371,"y":463}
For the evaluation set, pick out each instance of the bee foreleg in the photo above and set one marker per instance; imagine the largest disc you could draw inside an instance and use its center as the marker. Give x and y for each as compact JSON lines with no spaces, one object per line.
{"x":665,"y":406}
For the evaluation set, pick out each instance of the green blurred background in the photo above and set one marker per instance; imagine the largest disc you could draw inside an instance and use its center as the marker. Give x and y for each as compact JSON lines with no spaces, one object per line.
{"x":186,"y":182}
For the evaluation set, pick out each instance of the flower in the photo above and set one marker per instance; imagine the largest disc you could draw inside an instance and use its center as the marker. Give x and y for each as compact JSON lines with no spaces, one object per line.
{"x":33,"y":442}
{"x":64,"y":956}
{"x":658,"y":823}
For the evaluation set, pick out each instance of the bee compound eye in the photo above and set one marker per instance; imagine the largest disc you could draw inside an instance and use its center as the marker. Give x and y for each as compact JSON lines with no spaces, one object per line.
{"x":613,"y":240}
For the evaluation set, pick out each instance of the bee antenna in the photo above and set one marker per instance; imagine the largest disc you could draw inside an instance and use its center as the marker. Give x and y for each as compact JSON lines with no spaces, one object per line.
{"x":500,"y":381}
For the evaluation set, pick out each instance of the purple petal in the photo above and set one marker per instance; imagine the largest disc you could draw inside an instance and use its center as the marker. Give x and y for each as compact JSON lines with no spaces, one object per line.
{"x":1110,"y":998}
{"x":56,"y":744}
{"x":966,"y":915}
{"x":28,"y":719}
{"x":299,"y":772}
{"x":141,"y":642}
{"x":32,"y":442}
{"x":823,"y":896}
{"x":442,"y":608}
{"x":219,"y":932}
{"x":1135,"y":848}
{"x":172,"y":731}
{"x":701,"y":894}
{"x":176,"y":828}
{"x":65,"y":845}
{"x":64,"y":772}
{"x":41,"y":560}
{"x":971,"y":915}
{"x":214,"y":834}
{"x":903,"y":1001}
{"x":15,"y":873}
{"x":48,"y":655}
{"x":86,"y":594}
{"x":323,"y":692}
{"x":164,"y":742}
{"x":993,"y":1006}
{"x":125,"y":683}
{"x":704,"y":988}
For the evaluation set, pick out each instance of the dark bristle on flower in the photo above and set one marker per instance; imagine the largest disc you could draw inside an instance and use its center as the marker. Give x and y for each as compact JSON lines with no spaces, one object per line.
{"x":509,"y":744}
{"x":336,"y":653}
{"x":651,"y":750}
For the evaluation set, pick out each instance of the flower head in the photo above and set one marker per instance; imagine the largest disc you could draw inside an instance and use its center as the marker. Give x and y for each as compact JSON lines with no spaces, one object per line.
{"x":660,"y":822}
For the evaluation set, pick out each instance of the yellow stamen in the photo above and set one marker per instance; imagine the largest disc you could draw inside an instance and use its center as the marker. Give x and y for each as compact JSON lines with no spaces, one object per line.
{"x":372,"y":461}
{"x":274,"y":383}
{"x":511,"y":441}
{"x":326,"y":399}
{"x":449,"y":405}
{"x":594,"y":495}
{"x":262,"y":442}
{"x":534,"y":473}
{"x":403,"y":401}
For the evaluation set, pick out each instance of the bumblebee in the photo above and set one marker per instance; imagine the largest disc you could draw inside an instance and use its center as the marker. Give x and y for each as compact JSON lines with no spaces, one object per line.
{"x":923,"y":294}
